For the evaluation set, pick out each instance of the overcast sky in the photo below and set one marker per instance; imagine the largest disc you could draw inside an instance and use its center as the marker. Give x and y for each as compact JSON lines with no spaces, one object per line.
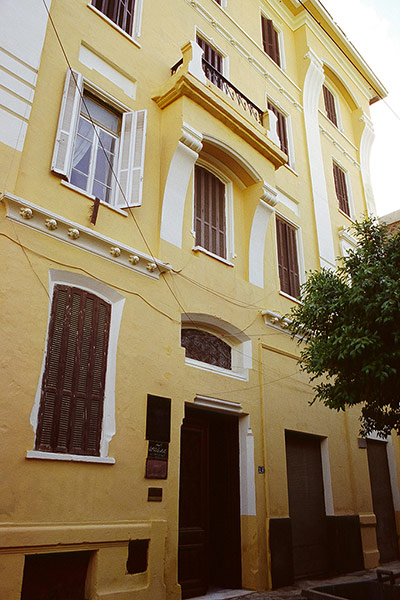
{"x":373,"y":26}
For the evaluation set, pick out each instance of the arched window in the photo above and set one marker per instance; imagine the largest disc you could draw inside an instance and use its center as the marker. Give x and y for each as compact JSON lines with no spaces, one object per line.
{"x":206,"y":347}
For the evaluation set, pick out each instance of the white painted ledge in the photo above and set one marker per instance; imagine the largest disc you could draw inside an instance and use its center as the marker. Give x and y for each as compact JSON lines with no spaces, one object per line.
{"x":69,"y":457}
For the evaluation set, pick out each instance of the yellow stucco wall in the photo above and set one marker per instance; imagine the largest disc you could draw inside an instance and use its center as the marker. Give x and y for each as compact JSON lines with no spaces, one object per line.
{"x":50,"y":505}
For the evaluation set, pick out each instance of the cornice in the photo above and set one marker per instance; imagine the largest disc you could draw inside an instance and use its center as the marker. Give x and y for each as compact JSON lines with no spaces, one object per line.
{"x":44,"y":221}
{"x":223,"y":108}
{"x":276,"y":320}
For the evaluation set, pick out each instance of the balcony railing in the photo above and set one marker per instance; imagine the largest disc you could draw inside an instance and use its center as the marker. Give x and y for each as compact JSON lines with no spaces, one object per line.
{"x":230,"y":90}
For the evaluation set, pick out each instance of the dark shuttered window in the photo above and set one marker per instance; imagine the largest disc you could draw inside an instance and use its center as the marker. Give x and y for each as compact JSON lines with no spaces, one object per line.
{"x":330,"y":106}
{"x":270,"y":40}
{"x":209,"y":210}
{"x":287,"y":258}
{"x":210,"y":55}
{"x":71,"y":404}
{"x":281,"y":127}
{"x":206,"y":347}
{"x":121,"y":12}
{"x":339,"y":177}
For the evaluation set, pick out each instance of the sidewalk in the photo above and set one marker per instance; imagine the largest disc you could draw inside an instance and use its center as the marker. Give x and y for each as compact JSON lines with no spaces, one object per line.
{"x":294,"y":592}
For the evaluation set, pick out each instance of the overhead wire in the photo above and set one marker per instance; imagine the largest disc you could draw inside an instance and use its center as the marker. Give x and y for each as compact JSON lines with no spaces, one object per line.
{"x":112,"y":170}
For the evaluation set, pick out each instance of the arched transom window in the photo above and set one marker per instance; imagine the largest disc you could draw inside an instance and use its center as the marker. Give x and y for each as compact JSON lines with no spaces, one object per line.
{"x":207,"y":348}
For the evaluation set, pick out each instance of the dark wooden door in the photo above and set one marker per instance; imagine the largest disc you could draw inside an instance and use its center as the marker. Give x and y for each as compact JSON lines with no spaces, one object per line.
{"x":306,"y":505}
{"x":382,"y":500}
{"x":209,"y":508}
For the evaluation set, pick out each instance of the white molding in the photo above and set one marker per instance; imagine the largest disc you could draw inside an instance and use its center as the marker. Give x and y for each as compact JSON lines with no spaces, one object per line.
{"x":258,"y":233}
{"x":367,"y":139}
{"x":94,"y":61}
{"x":346,"y":240}
{"x":339,"y":147}
{"x":312,"y":89}
{"x":117,"y":302}
{"x":247,"y":468}
{"x":326,"y":477}
{"x":69,"y":232}
{"x":275,"y":320}
{"x":22,"y":38}
{"x":290,"y":203}
{"x":180,"y":171}
{"x":106,"y":460}
{"x":240,"y":343}
{"x":218,"y":405}
{"x":250,"y":57}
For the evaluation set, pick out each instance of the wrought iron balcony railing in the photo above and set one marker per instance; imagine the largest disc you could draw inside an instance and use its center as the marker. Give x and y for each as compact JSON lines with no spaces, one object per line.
{"x":228,"y":88}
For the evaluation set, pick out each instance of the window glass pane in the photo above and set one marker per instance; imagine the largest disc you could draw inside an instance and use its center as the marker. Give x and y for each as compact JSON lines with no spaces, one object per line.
{"x":100,"y":114}
{"x":79,"y":180}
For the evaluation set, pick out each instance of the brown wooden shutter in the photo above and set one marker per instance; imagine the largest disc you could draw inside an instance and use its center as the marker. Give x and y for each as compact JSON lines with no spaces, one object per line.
{"x":210,"y":212}
{"x":339,"y":177}
{"x":287,"y":258}
{"x":71,"y":406}
{"x":270,"y":40}
{"x":213,"y":57}
{"x":330,"y":107}
{"x":282,"y":129}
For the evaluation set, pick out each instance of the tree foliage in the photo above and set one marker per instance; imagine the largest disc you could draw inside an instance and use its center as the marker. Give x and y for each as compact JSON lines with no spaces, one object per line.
{"x":348,"y":326}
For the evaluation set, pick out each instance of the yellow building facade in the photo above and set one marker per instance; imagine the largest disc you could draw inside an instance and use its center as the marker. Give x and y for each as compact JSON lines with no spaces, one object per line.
{"x":169,"y":173}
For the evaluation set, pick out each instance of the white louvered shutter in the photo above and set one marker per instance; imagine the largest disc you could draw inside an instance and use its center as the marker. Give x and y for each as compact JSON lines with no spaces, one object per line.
{"x":131,"y":159}
{"x":67,"y":123}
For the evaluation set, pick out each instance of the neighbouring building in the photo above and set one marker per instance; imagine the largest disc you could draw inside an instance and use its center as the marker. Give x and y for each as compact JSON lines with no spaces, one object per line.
{"x":169,"y":172}
{"x":392,"y":221}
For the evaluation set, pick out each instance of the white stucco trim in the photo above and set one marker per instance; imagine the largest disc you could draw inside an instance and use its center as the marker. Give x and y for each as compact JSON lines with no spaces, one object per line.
{"x":117,"y":301}
{"x":247,"y":468}
{"x":22,"y":32}
{"x":94,"y":61}
{"x":312,"y":90}
{"x":326,"y":476}
{"x":69,"y":232}
{"x":240,"y":343}
{"x":180,"y":171}
{"x":258,"y":233}
{"x":367,"y":139}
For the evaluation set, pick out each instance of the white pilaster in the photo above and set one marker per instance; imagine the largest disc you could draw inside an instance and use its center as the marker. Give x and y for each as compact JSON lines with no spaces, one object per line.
{"x":180,"y":170}
{"x":259,"y":226}
{"x":312,"y":90}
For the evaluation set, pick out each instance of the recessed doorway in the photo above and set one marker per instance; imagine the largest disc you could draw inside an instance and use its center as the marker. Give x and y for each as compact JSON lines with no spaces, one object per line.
{"x":209,"y":508}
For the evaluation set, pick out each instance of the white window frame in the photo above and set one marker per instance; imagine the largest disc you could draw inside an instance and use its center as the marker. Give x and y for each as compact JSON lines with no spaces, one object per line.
{"x":117,"y":301}
{"x":130,"y":161}
{"x":281,"y":43}
{"x":229,"y":217}
{"x":300,"y":253}
{"x":339,"y":125}
{"x":240,"y":343}
{"x":137,"y":20}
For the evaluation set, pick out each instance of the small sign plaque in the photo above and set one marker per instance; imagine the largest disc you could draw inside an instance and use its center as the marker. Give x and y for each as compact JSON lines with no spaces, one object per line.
{"x":158,"y":450}
{"x":156,"y":469}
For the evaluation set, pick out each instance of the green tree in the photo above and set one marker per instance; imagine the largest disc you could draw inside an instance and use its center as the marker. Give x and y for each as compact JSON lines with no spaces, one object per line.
{"x":348,"y":327}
